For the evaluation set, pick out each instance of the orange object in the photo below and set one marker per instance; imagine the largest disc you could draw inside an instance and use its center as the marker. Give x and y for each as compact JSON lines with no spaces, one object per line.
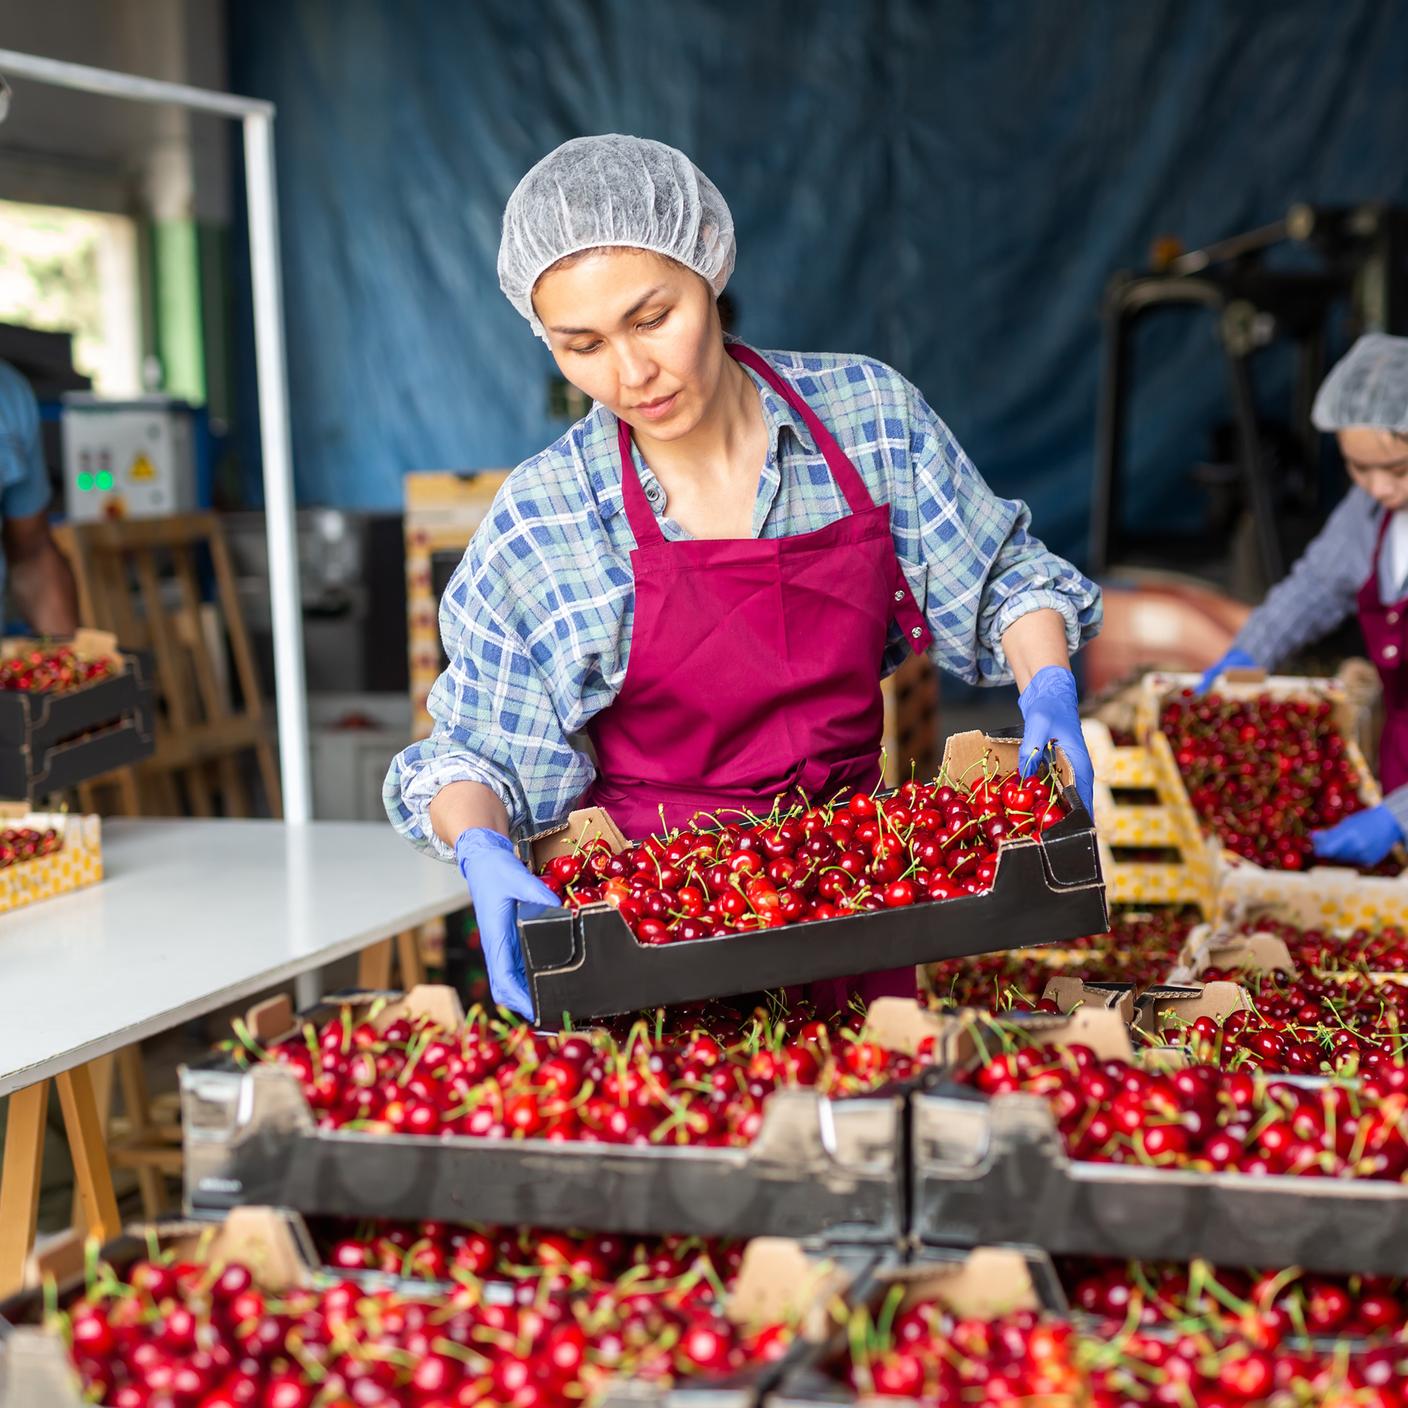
{"x":1159,"y":620}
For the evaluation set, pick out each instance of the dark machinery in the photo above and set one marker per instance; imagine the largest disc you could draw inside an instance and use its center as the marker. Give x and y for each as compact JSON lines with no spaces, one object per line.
{"x":1347,"y":267}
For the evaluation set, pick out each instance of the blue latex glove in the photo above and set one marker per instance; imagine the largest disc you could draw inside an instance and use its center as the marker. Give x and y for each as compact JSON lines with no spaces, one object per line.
{"x":502,"y":891}
{"x":1233,"y":660}
{"x":1362,"y":839}
{"x":1050,"y":712}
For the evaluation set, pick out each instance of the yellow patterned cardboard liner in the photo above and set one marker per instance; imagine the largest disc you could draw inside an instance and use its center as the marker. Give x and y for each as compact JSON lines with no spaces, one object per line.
{"x":1324,"y":897}
{"x":77,"y":863}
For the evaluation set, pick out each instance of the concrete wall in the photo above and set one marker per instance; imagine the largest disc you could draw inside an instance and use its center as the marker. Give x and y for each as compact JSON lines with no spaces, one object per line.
{"x":64,"y":148}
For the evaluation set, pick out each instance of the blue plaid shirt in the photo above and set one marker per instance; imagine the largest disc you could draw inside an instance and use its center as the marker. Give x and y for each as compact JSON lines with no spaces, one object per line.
{"x":537,"y":617}
{"x":1320,"y":591}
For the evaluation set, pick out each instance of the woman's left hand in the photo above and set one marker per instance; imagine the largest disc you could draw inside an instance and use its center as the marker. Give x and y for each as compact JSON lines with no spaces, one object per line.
{"x":1051,"y":713}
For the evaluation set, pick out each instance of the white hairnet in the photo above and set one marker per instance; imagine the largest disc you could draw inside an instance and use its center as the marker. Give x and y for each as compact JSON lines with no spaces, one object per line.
{"x":1367,"y":386}
{"x":593,"y":192}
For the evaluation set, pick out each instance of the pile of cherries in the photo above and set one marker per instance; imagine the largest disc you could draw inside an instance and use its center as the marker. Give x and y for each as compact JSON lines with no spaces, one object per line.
{"x":1267,"y":1308}
{"x":50,"y":669}
{"x":534,"y":1259}
{"x":1383,"y":950}
{"x":926,"y":841}
{"x":1262,"y":773}
{"x":1140,"y":947}
{"x":22,"y":843}
{"x":1301,"y":1026}
{"x":199,"y":1336}
{"x":492,"y":1080}
{"x":1207,"y":1119}
{"x":926,"y":1353}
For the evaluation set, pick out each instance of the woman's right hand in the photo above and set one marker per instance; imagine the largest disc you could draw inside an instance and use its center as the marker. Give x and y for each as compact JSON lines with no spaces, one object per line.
{"x":502,"y":892}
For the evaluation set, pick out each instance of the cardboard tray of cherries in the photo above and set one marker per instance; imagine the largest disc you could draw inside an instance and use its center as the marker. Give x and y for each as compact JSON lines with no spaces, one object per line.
{"x":1265,"y":760}
{"x":388,"y":1103}
{"x":1048,"y":1131}
{"x":70,"y":711}
{"x":246,"y":1312}
{"x":973,"y":862}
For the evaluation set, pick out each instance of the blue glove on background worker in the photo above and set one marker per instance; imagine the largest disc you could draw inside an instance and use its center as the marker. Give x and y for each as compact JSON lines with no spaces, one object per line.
{"x":503,"y":892}
{"x":1362,"y":839}
{"x":1234,"y":660}
{"x":1051,"y":712}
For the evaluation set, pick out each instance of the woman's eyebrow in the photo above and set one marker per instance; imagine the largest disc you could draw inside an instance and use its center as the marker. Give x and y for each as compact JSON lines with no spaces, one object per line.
{"x":1388,"y":464}
{"x":625,"y":317}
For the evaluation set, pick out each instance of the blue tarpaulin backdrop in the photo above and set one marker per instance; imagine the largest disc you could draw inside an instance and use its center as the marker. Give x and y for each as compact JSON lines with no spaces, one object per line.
{"x":945,"y":185}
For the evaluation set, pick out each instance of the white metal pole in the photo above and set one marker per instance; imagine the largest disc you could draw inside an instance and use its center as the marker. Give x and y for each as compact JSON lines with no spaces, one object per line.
{"x":277,"y":448}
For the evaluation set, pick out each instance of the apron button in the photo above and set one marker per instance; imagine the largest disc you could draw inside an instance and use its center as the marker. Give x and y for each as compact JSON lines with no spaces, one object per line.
{"x":899,"y":596}
{"x":1390,"y":652}
{"x":919,"y":631}
{"x":1392,"y":618}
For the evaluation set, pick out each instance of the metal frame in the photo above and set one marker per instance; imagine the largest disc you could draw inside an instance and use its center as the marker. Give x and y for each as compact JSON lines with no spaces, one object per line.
{"x":257,"y":118}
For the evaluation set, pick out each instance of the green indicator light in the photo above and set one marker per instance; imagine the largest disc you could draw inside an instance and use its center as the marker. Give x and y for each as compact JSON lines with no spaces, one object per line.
{"x":104,"y":479}
{"x":85,"y":482}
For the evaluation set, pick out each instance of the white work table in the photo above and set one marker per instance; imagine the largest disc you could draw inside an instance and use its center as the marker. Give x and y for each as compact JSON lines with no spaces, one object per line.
{"x":190,"y":915}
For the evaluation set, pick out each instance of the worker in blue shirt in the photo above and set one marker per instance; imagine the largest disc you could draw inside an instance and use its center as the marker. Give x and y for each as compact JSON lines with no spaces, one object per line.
{"x":1358,"y":564}
{"x":41,"y":588}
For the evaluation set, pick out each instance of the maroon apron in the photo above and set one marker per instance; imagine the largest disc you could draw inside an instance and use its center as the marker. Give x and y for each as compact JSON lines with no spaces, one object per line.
{"x":1385,"y":630}
{"x":754,"y":665}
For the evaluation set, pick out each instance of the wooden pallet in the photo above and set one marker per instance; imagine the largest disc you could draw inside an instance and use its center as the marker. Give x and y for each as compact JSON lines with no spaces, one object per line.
{"x":1164,"y":820}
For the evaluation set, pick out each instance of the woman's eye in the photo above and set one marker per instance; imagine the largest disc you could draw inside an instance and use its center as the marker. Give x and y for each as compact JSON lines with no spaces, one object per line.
{"x":656,"y":321}
{"x":585,"y":351}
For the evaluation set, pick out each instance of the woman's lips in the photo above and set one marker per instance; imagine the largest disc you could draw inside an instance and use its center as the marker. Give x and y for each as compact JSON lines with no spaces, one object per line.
{"x":656,"y":410}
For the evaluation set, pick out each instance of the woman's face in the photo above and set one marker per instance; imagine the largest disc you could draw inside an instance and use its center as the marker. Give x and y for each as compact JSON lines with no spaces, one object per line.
{"x":637,"y":332}
{"x":1377,"y":461}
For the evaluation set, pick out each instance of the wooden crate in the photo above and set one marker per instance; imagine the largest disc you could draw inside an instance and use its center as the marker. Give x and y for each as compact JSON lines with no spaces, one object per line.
{"x":911,"y":736}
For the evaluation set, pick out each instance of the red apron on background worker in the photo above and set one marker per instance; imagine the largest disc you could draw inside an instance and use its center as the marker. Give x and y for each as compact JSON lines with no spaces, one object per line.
{"x":710,"y":573}
{"x":1359,"y":562}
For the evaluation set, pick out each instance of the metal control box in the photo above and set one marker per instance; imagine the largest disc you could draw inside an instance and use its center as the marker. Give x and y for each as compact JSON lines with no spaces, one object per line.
{"x":128,"y":459}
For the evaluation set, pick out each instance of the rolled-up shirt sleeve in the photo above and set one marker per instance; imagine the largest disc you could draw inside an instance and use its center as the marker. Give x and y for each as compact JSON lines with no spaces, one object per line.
{"x":1397,"y":803}
{"x":983,"y":569}
{"x":495,"y":721}
{"x":1320,"y":590}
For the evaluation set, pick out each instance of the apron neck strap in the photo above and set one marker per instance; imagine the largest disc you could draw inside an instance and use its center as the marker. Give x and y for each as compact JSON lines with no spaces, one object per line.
{"x":645,"y":527}
{"x":644,"y":524}
{"x":846,"y":475}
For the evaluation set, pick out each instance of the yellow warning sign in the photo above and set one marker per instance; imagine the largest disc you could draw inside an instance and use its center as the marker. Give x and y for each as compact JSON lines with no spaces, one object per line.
{"x":142,"y":468}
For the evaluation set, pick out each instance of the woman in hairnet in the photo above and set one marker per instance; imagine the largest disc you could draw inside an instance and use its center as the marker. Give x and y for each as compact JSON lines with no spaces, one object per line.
{"x":1359,"y":562}
{"x":709,"y":574}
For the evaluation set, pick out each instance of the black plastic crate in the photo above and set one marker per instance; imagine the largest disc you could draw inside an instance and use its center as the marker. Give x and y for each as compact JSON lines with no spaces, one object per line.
{"x":818,"y":1166}
{"x":996,"y":1170}
{"x":586,"y":963}
{"x":51,"y":742}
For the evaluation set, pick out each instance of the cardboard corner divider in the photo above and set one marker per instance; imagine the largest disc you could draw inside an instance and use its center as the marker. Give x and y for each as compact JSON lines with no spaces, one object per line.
{"x":77,"y":862}
{"x":586,"y":963}
{"x":1069,"y":993}
{"x":52,"y":742}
